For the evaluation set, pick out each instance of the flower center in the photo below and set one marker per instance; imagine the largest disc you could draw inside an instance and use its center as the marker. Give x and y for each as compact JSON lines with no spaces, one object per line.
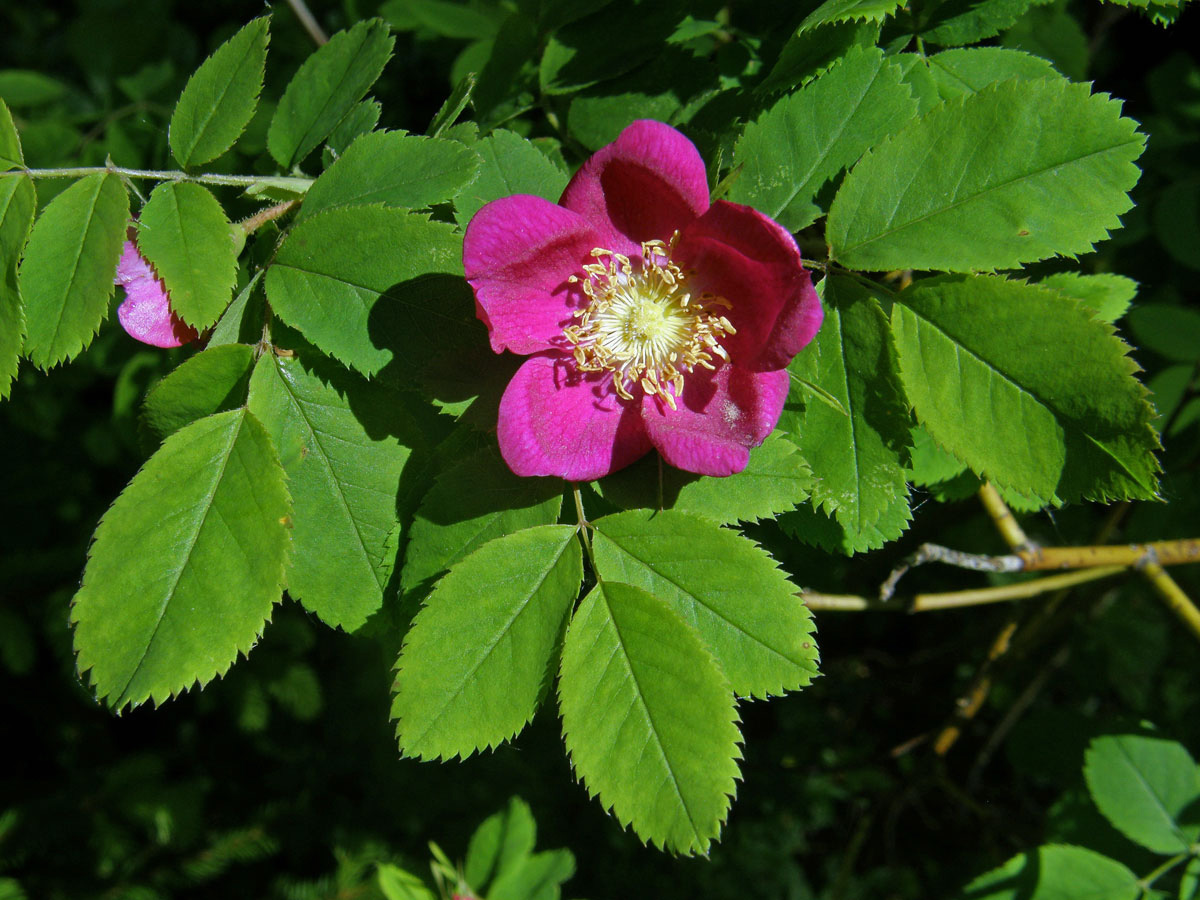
{"x":644,"y":324}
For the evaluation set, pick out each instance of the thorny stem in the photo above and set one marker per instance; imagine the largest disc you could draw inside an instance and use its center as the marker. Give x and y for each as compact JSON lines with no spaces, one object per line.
{"x":585,"y":536}
{"x":289,"y":181}
{"x":270,"y":213}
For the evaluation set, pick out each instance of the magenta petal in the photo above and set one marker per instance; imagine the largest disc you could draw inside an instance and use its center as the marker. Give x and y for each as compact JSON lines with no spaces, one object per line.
{"x":646,"y":185}
{"x":554,"y":421}
{"x":721,"y":416}
{"x":738,"y":253}
{"x":146,"y":313}
{"x":518,"y":253}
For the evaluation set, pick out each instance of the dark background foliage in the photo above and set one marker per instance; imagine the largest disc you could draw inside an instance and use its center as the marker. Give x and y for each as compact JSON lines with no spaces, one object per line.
{"x":283,"y":780}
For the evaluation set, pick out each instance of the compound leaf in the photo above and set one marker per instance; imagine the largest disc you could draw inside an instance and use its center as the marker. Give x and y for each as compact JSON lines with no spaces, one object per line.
{"x":186,"y":564}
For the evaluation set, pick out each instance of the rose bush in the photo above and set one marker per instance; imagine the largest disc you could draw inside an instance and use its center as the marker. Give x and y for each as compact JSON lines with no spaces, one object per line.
{"x":652,"y":317}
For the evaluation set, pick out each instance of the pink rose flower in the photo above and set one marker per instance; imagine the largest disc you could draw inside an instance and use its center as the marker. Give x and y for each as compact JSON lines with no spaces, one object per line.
{"x":146,"y":313}
{"x":652,"y":318}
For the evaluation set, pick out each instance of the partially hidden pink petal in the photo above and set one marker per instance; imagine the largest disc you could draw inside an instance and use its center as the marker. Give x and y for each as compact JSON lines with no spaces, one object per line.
{"x":738,"y":253}
{"x":146,"y":313}
{"x":646,"y":185}
{"x":518,"y":253}
{"x":721,"y":415}
{"x":557,"y":421}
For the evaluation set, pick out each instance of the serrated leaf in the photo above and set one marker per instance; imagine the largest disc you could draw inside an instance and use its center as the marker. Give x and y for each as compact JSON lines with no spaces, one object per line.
{"x":962,"y":71}
{"x":219,"y":99}
{"x":807,"y":53}
{"x":185,"y":235}
{"x":361,"y":120}
{"x":511,"y":165}
{"x":648,"y":718}
{"x":1143,"y":785}
{"x":474,"y":501}
{"x":858,"y":460}
{"x":66,"y":276}
{"x":724,"y":586}
{"x":212,"y":381}
{"x":482,"y":650}
{"x":952,"y":23}
{"x":11,"y":156}
{"x":1056,"y":872}
{"x":18,"y":203}
{"x":832,"y":11}
{"x":774,"y":481}
{"x":501,"y":841}
{"x":929,"y":463}
{"x":1107,"y":296}
{"x":186,"y":564}
{"x":809,"y":137}
{"x":326,"y":87}
{"x":395,"y":170}
{"x":343,"y":444}
{"x":242,"y":321}
{"x":1020,"y":171}
{"x":1024,"y":386}
{"x":449,"y":111}
{"x":817,"y":528}
{"x":332,"y":269}
{"x":536,"y":878}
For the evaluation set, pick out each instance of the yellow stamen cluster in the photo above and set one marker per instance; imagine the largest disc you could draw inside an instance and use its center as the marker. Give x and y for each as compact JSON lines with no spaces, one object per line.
{"x":643,"y":323}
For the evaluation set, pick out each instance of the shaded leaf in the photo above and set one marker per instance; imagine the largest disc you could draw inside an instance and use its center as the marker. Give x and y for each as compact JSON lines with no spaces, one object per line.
{"x":212,"y":381}
{"x":984,"y":363}
{"x":648,"y":718}
{"x":805,"y":139}
{"x":962,"y":71}
{"x":848,"y":10}
{"x":185,"y":235}
{"x":18,"y":203}
{"x":724,"y":586}
{"x":219,"y":99}
{"x":1056,"y":872}
{"x":186,"y":564}
{"x":11,"y":156}
{"x":951,"y":23}
{"x":66,"y":276}
{"x":482,"y":649}
{"x":511,"y":165}
{"x":327,"y":86}
{"x":1027,"y":169}
{"x":333,"y":267}
{"x":858,"y":460}
{"x":500,"y":842}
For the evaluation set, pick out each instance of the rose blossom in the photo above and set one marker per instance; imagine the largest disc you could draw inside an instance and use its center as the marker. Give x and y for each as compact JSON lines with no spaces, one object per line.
{"x":652,"y":319}
{"x":146,"y":313}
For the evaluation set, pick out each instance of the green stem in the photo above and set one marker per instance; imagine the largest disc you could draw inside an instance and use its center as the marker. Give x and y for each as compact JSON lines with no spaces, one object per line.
{"x":584,"y":535}
{"x":1145,"y":882}
{"x":294,"y":183}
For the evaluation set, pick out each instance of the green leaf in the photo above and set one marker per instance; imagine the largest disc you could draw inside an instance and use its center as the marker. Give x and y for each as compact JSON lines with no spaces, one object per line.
{"x":1176,"y":221}
{"x":536,"y":878}
{"x":648,"y":718}
{"x":724,"y":586}
{"x":326,"y":88}
{"x":807,"y":53}
{"x":219,"y":99}
{"x":66,"y":277}
{"x":808,"y":138}
{"x":11,"y":156}
{"x":953,"y":23}
{"x":503,"y":840}
{"x":962,"y":71}
{"x":832,"y":11}
{"x":1020,"y":171}
{"x":397,"y":884}
{"x":449,"y":111}
{"x":929,"y":463}
{"x":819,"y":529}
{"x":212,"y":381}
{"x":242,"y":321}
{"x":394,"y":170}
{"x":1189,"y":882}
{"x":511,"y":165}
{"x":332,"y":269}
{"x":344,"y":444}
{"x":775,"y":480}
{"x":443,"y":18}
{"x":1142,"y":785}
{"x":1056,"y":872}
{"x":361,"y":120}
{"x":858,"y":460}
{"x":18,"y":203}
{"x":1107,"y":296}
{"x":184,"y":234}
{"x":1172,"y":331}
{"x":25,"y":87}
{"x":1053,"y":33}
{"x":1026,"y":388}
{"x":186,"y":564}
{"x":482,"y":650}
{"x":475,"y":500}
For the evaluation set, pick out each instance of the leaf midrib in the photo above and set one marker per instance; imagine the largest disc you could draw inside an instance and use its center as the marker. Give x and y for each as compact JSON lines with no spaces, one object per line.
{"x":200,"y":131}
{"x":62,"y":304}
